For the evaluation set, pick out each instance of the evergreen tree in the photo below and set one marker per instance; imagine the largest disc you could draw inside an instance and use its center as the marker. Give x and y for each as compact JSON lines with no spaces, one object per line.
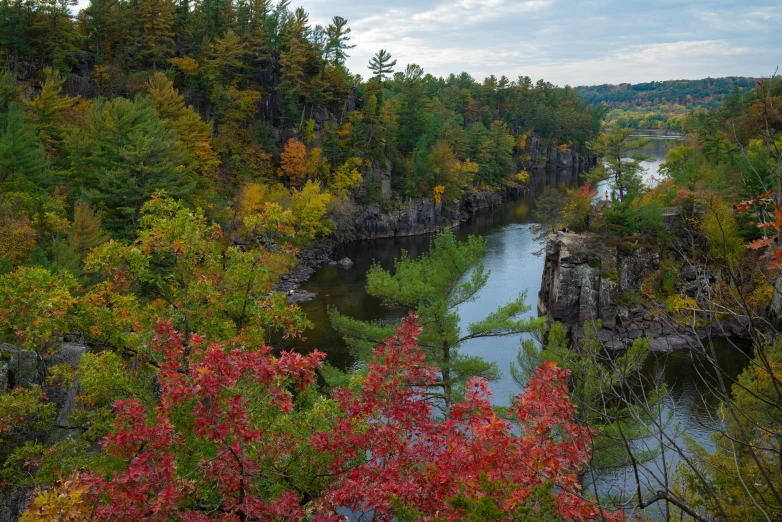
{"x":434,"y":286}
{"x":46,"y":109}
{"x":99,"y":22}
{"x":337,"y":41}
{"x":21,"y":150}
{"x":57,"y":32}
{"x":381,"y":65}
{"x":85,"y":233}
{"x":226,"y":58}
{"x":156,"y":41}
{"x":412,"y":109}
{"x":133,"y":154}
{"x":621,"y":165}
{"x":192,"y":132}
{"x":293,"y":62}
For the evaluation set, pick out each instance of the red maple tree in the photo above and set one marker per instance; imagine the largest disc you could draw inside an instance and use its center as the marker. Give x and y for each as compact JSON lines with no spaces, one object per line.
{"x":389,"y":456}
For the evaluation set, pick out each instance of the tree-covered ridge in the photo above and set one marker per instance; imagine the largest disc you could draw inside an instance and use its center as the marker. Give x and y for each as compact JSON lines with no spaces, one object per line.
{"x":707,"y":92}
{"x":226,"y":103}
{"x":662,"y":105}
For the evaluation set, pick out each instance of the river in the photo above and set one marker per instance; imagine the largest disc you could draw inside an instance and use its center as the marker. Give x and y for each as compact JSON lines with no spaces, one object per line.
{"x":514,"y":267}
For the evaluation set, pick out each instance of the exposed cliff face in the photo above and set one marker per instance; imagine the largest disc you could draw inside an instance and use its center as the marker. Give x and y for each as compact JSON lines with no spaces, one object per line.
{"x":21,"y":368}
{"x":583,"y":281}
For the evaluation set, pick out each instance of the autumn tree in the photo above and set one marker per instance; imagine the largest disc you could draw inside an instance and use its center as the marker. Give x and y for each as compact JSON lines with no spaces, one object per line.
{"x":178,"y":266}
{"x":434,"y":286}
{"x":293,"y":162}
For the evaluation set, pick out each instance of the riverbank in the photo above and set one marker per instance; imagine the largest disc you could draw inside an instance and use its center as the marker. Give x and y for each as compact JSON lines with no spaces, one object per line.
{"x":413,"y":217}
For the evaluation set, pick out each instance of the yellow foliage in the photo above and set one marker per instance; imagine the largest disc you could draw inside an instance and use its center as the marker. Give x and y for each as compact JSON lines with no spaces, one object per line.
{"x":317,"y":165}
{"x":438,"y":193}
{"x":721,"y":230}
{"x":347,"y":176}
{"x":522,"y":177}
{"x":64,"y":502}
{"x":562,"y":148}
{"x":522,"y":144}
{"x":309,"y":208}
{"x":187,"y":65}
{"x":17,"y":238}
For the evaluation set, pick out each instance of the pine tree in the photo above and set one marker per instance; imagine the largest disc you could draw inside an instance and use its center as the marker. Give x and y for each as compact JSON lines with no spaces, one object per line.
{"x":226,"y":58}
{"x":156,"y":42}
{"x":337,"y":41}
{"x":434,"y":286}
{"x":57,"y":31}
{"x":48,"y":106}
{"x":84,"y":234}
{"x":382,"y":65}
{"x":21,"y":150}
{"x":192,"y":132}
{"x":133,"y":154}
{"x":293,"y":62}
{"x":100,"y":24}
{"x":10,"y":91}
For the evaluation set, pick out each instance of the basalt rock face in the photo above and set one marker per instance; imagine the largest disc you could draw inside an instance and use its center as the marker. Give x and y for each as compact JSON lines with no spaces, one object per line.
{"x":583,"y":281}
{"x":22,"y":368}
{"x":575,"y":287}
{"x":417,"y":216}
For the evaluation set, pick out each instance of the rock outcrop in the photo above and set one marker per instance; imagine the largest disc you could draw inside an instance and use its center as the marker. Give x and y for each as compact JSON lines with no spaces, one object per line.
{"x":20,"y":367}
{"x":583,"y":280}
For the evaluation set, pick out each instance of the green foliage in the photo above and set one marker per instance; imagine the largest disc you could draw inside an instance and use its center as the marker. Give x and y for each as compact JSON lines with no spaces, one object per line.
{"x":129,"y":153}
{"x":621,"y":165}
{"x":177,"y":268}
{"x":594,"y":380}
{"x":38,"y":304}
{"x":433,"y":286}
{"x":21,"y":149}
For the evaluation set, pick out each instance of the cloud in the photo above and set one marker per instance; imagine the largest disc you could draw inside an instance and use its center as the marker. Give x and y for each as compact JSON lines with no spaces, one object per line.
{"x":564,"y":41}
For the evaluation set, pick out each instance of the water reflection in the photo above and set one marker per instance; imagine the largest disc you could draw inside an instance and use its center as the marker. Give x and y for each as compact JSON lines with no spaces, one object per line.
{"x":509,"y":257}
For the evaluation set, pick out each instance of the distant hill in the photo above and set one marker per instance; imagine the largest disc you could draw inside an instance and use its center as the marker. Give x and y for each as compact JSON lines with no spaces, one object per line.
{"x":660,"y":105}
{"x":689,"y":93}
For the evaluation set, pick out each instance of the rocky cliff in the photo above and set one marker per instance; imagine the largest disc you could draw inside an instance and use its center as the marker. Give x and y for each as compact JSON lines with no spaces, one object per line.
{"x":584,"y":280}
{"x":21,"y":368}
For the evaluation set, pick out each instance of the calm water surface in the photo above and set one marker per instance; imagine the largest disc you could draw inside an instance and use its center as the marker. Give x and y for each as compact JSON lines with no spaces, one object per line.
{"x":514,"y":269}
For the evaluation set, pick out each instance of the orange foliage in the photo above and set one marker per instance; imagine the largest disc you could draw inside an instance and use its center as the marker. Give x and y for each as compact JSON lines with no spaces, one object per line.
{"x":17,"y":238}
{"x":293,"y":162}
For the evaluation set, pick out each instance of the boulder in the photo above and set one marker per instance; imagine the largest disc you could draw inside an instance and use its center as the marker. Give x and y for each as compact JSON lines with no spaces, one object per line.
{"x":672,"y":343}
{"x":345,"y":263}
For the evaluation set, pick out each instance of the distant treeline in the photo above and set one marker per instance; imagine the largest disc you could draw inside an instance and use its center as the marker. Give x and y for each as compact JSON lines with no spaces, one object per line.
{"x":662,"y":105}
{"x":706,"y":92}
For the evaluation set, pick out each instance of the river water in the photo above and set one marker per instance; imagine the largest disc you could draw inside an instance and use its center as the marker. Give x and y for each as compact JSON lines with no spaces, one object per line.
{"x":515,"y":269}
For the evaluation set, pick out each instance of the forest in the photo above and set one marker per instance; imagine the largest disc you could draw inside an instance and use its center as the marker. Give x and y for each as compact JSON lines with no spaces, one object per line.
{"x":164,"y":164}
{"x":662,"y":105}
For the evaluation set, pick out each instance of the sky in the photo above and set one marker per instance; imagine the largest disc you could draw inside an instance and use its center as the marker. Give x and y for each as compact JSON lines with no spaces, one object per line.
{"x":564,"y":41}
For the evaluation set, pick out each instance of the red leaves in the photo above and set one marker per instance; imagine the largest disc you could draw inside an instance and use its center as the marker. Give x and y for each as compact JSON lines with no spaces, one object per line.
{"x":390,"y":449}
{"x":762,"y":204}
{"x":204,"y":382}
{"x":201,"y":455}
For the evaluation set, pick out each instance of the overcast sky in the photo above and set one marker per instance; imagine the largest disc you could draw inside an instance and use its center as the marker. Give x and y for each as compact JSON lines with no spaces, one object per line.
{"x":565,"y":41}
